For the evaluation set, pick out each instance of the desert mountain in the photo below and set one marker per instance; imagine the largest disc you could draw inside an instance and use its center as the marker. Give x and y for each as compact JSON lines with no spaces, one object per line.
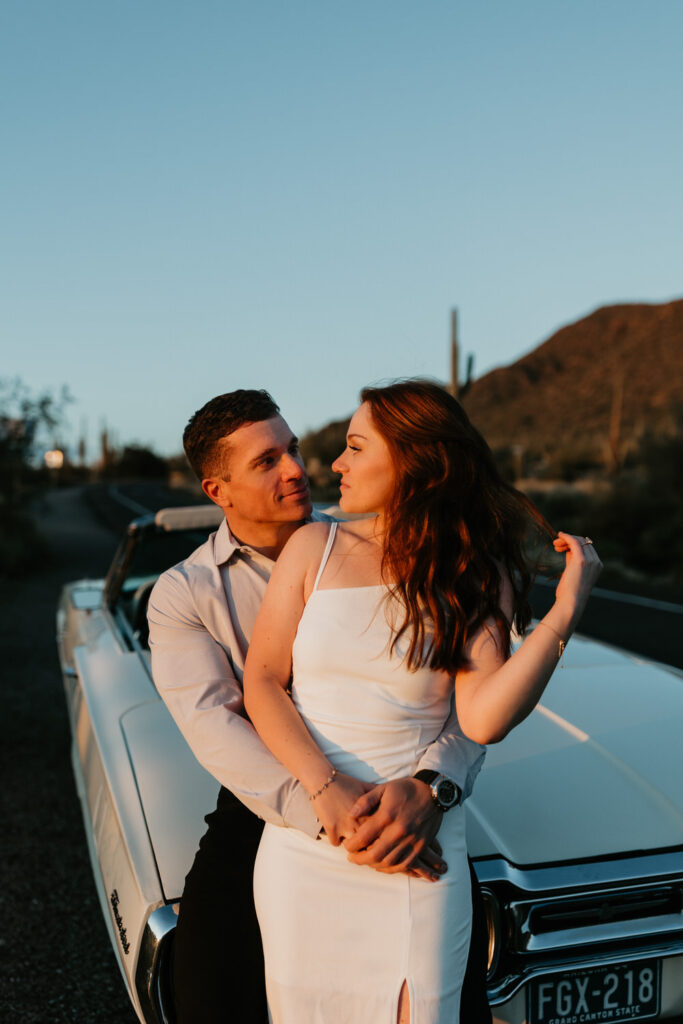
{"x":617,"y":371}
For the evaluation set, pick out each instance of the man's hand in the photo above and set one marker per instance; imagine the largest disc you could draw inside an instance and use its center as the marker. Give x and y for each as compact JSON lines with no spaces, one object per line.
{"x":399,"y":823}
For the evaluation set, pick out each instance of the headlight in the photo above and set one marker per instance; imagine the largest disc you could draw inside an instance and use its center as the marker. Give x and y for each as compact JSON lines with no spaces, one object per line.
{"x":493,"y":925}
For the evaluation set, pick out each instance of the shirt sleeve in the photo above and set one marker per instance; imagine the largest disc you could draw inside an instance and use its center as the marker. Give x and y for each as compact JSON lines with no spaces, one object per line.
{"x":454,"y":755}
{"x":195,"y":679}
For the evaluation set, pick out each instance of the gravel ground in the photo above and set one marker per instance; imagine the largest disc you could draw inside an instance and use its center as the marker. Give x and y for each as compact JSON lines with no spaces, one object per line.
{"x":56,"y":964}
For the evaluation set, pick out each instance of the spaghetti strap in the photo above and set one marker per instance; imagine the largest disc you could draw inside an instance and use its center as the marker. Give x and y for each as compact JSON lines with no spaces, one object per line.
{"x":326,"y":554}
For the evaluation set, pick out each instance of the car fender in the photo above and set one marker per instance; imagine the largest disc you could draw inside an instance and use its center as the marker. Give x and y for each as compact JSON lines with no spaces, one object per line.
{"x":107,"y":684}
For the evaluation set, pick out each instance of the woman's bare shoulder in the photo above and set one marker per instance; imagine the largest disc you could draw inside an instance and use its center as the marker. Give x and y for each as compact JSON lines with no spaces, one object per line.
{"x":307,"y":542}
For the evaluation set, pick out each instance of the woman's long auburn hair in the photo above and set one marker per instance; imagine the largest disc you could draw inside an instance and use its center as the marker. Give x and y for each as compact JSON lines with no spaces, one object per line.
{"x":451,"y":526}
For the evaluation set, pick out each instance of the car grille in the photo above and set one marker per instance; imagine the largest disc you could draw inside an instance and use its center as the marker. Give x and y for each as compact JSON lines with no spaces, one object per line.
{"x":577,"y":915}
{"x":612,"y":916}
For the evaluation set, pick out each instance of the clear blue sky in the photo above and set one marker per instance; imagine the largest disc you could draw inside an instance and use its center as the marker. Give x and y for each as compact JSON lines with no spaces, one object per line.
{"x":209,"y":195}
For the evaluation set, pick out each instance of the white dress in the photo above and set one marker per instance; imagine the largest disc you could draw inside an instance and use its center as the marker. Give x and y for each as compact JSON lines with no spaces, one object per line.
{"x":339,"y":939}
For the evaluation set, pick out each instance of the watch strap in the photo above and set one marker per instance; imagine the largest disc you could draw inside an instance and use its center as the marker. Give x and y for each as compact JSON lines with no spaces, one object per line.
{"x":435,"y":780}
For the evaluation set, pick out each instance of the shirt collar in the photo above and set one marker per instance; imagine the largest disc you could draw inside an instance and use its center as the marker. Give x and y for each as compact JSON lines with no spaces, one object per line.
{"x":225,"y":545}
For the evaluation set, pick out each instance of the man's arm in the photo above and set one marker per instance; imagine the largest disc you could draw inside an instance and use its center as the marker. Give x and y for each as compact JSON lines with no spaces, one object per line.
{"x":195,"y":679}
{"x":454,"y":755}
{"x":403,"y":819}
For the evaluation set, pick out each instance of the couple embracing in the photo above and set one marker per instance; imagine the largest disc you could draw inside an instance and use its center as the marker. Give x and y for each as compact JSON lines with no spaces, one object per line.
{"x":357,"y":757}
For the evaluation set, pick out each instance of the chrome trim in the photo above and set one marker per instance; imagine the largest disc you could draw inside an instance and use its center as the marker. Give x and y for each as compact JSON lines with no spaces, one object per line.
{"x":526,"y":940}
{"x":152,"y":972}
{"x":509,"y":985}
{"x":518,"y":890}
{"x":124,"y":626}
{"x":664,"y":867}
{"x":493,"y":924}
{"x":111,"y":619}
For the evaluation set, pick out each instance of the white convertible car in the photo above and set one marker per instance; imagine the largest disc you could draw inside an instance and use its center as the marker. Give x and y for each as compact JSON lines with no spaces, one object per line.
{"x":575,"y":825}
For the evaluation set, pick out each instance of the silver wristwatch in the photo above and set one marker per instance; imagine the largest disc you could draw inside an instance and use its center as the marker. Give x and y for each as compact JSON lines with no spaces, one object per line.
{"x":445,"y":793}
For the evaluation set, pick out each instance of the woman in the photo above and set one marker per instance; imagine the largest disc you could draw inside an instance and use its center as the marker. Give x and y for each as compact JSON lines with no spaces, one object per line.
{"x":375,"y":618}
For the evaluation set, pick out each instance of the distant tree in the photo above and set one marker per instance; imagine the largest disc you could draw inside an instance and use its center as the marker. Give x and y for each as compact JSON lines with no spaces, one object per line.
{"x":139,"y":462}
{"x":325,"y":444}
{"x":24,"y":417}
{"x":320,"y":448}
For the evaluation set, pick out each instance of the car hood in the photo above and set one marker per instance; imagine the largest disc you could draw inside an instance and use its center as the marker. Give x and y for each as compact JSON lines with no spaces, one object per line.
{"x":595,"y":770}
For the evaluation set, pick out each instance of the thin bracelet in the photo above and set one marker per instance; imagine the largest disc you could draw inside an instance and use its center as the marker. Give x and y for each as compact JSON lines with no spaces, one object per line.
{"x":562,"y":644}
{"x":324,"y":785}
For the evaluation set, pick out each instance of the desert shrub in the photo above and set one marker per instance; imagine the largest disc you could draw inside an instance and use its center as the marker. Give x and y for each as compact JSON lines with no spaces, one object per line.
{"x":573,"y":462}
{"x":637,"y":521}
{"x":643,"y":512}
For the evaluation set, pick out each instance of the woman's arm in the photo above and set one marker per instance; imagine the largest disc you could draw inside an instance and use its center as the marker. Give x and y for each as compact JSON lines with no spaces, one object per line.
{"x":493,"y":695}
{"x":266,"y":677}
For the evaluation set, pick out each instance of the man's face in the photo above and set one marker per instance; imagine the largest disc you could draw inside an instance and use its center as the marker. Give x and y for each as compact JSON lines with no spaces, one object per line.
{"x":266,"y":481}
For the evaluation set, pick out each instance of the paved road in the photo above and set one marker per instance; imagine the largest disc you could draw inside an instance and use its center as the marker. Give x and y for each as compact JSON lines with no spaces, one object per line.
{"x":56,"y":964}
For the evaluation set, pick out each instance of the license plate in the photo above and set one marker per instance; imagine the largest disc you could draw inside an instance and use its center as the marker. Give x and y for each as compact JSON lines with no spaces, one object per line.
{"x":620,"y":992}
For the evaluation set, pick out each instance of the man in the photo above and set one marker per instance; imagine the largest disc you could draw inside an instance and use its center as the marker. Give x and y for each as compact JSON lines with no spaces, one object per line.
{"x":201,"y":615}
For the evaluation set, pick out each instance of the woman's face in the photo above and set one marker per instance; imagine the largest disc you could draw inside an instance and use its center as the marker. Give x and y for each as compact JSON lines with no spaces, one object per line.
{"x":367,"y":469}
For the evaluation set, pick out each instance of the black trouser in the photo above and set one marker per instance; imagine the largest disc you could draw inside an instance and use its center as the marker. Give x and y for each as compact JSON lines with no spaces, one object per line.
{"x":217,"y":955}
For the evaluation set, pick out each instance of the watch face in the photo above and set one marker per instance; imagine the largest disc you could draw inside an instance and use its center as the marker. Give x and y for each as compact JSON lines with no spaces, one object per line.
{"x":446,"y":792}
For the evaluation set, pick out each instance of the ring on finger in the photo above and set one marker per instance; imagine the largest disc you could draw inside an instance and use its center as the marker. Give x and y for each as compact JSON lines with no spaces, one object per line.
{"x":586,"y":541}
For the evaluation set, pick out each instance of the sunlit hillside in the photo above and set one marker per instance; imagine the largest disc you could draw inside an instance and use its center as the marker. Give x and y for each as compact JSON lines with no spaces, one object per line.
{"x":592,"y":389}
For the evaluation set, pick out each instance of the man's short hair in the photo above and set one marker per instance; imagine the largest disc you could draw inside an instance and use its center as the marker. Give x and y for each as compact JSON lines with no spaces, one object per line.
{"x":205,"y":434}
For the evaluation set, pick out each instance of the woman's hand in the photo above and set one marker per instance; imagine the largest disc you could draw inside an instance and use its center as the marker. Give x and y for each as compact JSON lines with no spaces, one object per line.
{"x":582,"y":569}
{"x":333,"y":806}
{"x":494,"y":695}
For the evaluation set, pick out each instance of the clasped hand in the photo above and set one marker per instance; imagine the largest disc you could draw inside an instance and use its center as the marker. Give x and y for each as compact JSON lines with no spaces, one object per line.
{"x":390,"y":827}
